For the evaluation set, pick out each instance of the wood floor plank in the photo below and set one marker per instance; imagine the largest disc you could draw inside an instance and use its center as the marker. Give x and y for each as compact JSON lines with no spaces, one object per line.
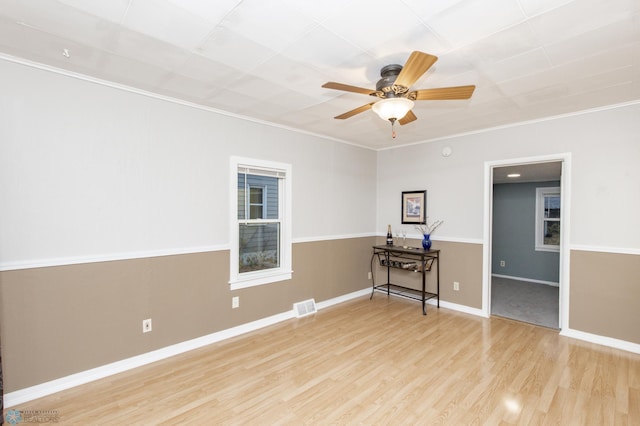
{"x":374,"y":361}
{"x":633,"y":415}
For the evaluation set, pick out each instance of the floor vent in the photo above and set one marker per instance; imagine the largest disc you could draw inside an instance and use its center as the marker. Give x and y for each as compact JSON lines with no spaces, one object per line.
{"x":304,"y":308}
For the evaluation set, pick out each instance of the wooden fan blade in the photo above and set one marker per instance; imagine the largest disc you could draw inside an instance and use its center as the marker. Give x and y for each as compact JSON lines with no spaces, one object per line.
{"x":443,"y":93}
{"x":353,"y":112}
{"x":417,"y":64}
{"x":408,"y":118}
{"x":347,"y":88}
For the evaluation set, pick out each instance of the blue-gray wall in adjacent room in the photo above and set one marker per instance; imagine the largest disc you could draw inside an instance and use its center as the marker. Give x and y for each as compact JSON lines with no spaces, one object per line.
{"x":513,"y":239}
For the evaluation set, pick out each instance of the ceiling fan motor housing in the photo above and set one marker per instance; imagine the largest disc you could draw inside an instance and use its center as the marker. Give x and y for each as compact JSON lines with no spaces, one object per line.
{"x":389,"y":74}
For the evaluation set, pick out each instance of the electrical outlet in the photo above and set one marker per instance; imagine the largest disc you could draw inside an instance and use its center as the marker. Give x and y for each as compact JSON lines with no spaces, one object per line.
{"x":146,"y":325}
{"x":369,"y":275}
{"x":456,"y":286}
{"x":235,"y":302}
{"x":503,"y":263}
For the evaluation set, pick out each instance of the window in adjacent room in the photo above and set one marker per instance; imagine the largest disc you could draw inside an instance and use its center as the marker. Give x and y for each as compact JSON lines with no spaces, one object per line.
{"x":548,"y":219}
{"x":261,"y":224}
{"x":257,"y":194}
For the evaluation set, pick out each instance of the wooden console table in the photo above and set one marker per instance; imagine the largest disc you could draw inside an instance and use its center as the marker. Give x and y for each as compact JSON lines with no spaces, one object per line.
{"x":410,"y":259}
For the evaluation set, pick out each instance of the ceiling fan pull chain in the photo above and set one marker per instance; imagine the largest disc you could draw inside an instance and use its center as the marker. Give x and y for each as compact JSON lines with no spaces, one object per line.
{"x":393,"y":130}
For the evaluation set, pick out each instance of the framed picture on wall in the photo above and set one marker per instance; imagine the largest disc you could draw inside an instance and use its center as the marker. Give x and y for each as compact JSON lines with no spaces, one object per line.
{"x":414,"y":207}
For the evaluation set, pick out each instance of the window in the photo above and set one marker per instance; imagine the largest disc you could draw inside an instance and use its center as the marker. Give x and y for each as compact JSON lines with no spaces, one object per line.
{"x":261,"y":222}
{"x":256,"y":197}
{"x":548,"y":219}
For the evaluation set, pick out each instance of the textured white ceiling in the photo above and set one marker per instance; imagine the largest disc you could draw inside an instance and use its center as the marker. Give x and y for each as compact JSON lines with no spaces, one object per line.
{"x":267,"y":60}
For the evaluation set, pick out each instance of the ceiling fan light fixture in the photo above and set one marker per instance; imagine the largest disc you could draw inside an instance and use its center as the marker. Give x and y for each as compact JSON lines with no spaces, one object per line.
{"x":392,"y":108}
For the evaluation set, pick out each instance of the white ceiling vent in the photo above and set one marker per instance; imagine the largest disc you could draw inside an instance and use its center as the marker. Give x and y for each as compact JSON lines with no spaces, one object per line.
{"x":304,"y":308}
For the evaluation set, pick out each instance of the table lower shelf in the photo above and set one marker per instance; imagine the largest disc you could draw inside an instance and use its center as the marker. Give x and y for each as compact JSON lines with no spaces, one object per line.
{"x":398,"y":290}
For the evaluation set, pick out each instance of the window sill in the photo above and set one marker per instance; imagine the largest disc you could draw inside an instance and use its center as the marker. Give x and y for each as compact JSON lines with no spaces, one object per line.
{"x":260,"y":279}
{"x":555,"y":249}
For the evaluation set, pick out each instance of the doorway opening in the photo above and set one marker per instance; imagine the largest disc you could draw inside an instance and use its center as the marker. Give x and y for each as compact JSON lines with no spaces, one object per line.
{"x":525,"y":256}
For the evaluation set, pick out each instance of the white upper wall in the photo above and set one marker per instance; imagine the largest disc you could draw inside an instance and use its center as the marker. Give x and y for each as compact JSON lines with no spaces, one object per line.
{"x":92,"y":172}
{"x":605,"y":181}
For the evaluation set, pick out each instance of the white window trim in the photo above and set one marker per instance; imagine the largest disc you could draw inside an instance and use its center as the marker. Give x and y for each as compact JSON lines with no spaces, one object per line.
{"x":255,"y":278}
{"x":540,"y":194}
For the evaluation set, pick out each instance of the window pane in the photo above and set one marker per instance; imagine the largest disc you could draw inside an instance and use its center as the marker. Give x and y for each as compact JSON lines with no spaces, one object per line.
{"x":267,"y":207}
{"x":552,"y":206}
{"x":259,"y":247}
{"x":241,"y":196}
{"x":256,"y":195}
{"x":255,"y":212}
{"x":271,"y":200}
{"x":256,"y":202}
{"x":552,"y":233}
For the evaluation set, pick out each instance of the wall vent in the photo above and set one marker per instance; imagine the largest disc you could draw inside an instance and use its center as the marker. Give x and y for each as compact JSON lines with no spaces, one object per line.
{"x":304,"y":308}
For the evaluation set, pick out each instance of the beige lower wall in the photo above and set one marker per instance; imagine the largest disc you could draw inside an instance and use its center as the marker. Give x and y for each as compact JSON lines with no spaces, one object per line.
{"x":62,"y":320}
{"x":604,"y":294}
{"x":461,"y":262}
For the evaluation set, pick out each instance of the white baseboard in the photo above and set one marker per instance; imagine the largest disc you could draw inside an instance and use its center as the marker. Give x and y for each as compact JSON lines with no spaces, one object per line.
{"x":344,"y":298}
{"x":443,"y":304}
{"x":21,"y":396}
{"x":601,"y":340}
{"x":575,"y":334}
{"x":509,"y":277}
{"x":460,"y":308}
{"x":38,"y":391}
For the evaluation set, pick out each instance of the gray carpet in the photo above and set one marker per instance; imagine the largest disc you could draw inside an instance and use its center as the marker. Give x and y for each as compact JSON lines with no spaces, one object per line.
{"x":525,"y":301}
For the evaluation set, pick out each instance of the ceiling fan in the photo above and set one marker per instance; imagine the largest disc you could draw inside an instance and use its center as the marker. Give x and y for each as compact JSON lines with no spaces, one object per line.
{"x":393,"y":90}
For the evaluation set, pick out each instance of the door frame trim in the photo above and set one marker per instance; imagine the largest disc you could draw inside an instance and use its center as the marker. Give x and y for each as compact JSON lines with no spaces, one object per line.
{"x":565,"y":215}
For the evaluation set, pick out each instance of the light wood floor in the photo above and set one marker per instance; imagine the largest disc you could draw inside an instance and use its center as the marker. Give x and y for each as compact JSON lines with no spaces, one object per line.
{"x":372,"y":362}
